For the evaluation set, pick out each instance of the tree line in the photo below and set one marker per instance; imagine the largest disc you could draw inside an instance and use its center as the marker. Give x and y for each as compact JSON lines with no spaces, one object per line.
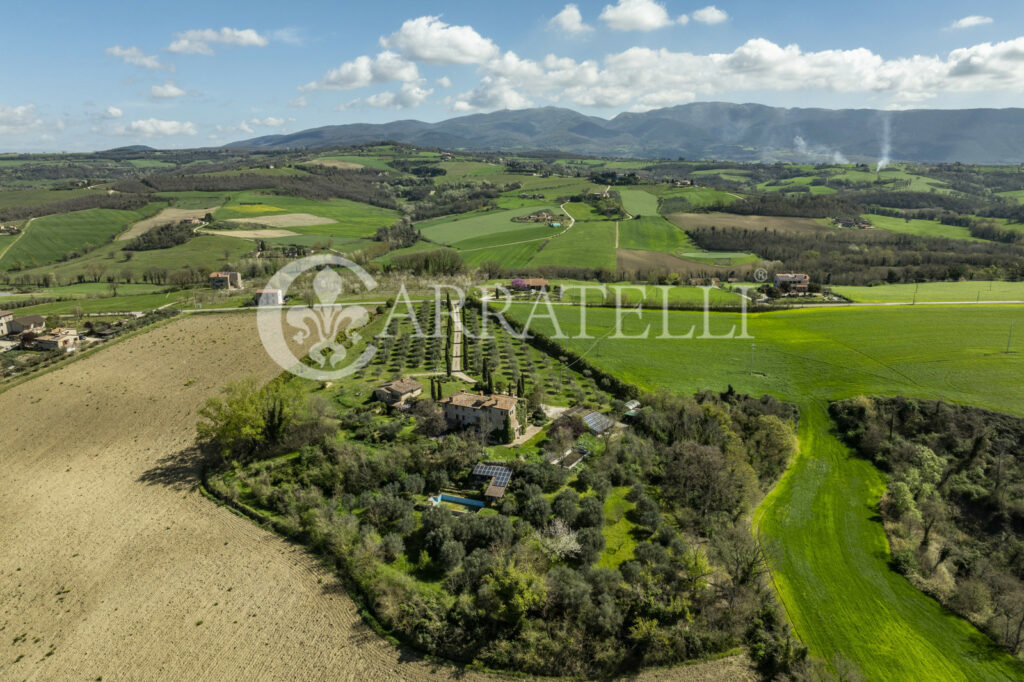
{"x":954,"y":502}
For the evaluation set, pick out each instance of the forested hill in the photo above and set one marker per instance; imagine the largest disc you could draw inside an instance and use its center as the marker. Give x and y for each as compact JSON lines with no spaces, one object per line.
{"x":708,"y":130}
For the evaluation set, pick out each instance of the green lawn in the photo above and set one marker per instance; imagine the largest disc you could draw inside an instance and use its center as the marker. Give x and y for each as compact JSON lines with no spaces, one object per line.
{"x":825,"y":544}
{"x":651,"y":232}
{"x":639,"y":202}
{"x":619,"y":542}
{"x":921,"y":228}
{"x":49,"y":238}
{"x":935,"y":291}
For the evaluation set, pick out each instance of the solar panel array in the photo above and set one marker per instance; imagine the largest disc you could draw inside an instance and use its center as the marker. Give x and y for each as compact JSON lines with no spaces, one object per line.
{"x":500,"y":474}
{"x":597,"y":422}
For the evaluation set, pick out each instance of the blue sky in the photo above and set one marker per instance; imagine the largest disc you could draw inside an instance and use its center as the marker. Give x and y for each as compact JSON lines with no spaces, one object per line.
{"x":80,"y":77}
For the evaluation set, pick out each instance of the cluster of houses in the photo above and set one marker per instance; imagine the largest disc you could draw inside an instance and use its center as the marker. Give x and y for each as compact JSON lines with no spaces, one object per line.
{"x":542,"y":216}
{"x":9,"y":229}
{"x":461,"y":410}
{"x":529,"y":284}
{"x":30,"y":333}
{"x":232,"y":281}
{"x":857,"y":223}
{"x":225,"y":280}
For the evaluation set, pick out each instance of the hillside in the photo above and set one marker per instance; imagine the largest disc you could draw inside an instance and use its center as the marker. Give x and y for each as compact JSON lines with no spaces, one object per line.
{"x":740,"y":132}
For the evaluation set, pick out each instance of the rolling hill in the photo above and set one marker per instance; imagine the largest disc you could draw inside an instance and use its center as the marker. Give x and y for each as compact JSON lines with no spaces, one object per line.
{"x":740,"y":132}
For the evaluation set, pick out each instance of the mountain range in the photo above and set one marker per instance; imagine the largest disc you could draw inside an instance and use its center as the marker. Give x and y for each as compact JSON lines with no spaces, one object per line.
{"x":704,"y":130}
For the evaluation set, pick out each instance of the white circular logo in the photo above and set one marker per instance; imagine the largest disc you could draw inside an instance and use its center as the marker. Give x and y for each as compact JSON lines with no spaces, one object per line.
{"x":314,"y":341}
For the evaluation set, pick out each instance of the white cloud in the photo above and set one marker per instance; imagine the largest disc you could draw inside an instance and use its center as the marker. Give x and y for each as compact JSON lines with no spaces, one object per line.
{"x":408,"y":96}
{"x":362,"y":71}
{"x":299,"y":102}
{"x":683,"y":20}
{"x":291,"y":36}
{"x":134,"y":56}
{"x":444,"y":82}
{"x":492,"y":93}
{"x":113,"y":112}
{"x":20,"y":119}
{"x":428,"y":39}
{"x":153,"y":127}
{"x":166,"y":91}
{"x":199,"y":41}
{"x":268,"y":122}
{"x":635,"y":15}
{"x":971,"y":21}
{"x":642,"y":78}
{"x":710,"y":15}
{"x":570,"y":20}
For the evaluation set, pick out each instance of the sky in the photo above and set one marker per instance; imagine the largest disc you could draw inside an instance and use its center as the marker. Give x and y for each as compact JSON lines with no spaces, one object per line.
{"x":83,"y":77}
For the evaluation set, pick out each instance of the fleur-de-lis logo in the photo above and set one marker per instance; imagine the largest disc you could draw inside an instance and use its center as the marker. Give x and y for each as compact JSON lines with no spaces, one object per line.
{"x":330,"y":325}
{"x":326,"y":321}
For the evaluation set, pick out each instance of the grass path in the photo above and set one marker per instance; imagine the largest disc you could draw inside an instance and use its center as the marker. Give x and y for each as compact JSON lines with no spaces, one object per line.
{"x":829,"y":553}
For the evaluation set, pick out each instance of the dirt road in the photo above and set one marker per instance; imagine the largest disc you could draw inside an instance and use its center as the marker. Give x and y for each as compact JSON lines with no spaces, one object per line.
{"x":114,"y":565}
{"x":164,"y":217}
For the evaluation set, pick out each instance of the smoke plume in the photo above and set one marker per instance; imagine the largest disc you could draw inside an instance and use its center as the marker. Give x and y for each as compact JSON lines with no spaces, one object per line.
{"x":886,"y":144}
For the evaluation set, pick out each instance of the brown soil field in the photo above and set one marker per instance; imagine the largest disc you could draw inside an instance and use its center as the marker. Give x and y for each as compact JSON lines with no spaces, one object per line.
{"x":251,"y":234}
{"x":634,"y":259}
{"x":168,"y":215}
{"x":114,"y":564}
{"x":344,"y":165}
{"x":690,"y":221}
{"x":286,"y":220}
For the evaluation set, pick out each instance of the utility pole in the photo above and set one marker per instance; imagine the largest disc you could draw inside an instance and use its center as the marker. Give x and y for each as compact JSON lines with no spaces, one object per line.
{"x":916,"y":285}
{"x":1009,"y":340}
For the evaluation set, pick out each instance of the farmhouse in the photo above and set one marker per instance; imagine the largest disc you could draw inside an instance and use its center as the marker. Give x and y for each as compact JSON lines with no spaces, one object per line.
{"x":498,"y":478}
{"x":5,"y":319}
{"x":488,"y":412}
{"x":795,"y":282}
{"x":397,"y":392}
{"x":530,"y":284}
{"x":9,"y":229}
{"x":58,"y":339}
{"x":28,"y":323}
{"x":269,"y":297}
{"x":225,"y":280}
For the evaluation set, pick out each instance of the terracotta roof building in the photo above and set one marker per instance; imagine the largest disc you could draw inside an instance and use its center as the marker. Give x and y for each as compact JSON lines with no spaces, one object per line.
{"x":488,"y":412}
{"x":397,"y":392}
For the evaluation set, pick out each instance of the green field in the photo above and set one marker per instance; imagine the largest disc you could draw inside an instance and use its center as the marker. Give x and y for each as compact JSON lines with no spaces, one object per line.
{"x":921,"y":228}
{"x":589,"y":244}
{"x":34,"y":197}
{"x":354,"y":220}
{"x":50,"y":238}
{"x":510,"y":256}
{"x":651,"y":232}
{"x":699,"y":197}
{"x":820,"y":529}
{"x":649,"y":294}
{"x":204,"y":252}
{"x":639,"y":202}
{"x":368,"y":161}
{"x":935,"y":291}
{"x":454,"y":230}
